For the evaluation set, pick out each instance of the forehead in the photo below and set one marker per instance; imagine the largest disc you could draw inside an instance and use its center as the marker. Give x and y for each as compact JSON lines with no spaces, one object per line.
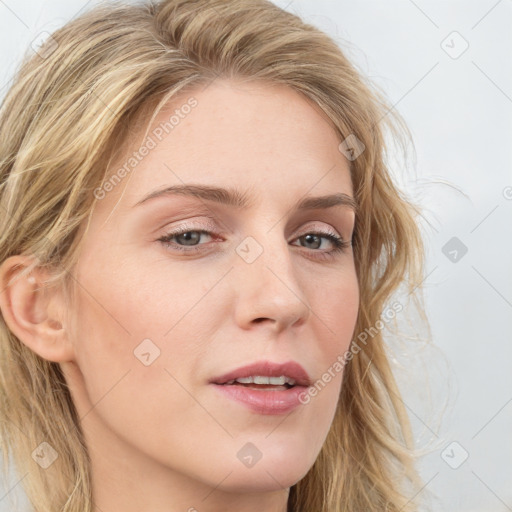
{"x":266,"y":139}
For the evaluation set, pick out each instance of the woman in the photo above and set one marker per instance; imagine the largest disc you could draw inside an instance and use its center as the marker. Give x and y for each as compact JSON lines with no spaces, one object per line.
{"x":200,"y":240}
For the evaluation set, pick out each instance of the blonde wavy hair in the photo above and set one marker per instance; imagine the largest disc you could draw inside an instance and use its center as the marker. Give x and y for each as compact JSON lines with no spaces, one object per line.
{"x":66,"y":114}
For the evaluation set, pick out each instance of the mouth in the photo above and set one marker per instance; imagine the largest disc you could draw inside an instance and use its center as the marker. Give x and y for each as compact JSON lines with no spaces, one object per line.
{"x":262,"y":382}
{"x":266,"y":375}
{"x":265,"y":387}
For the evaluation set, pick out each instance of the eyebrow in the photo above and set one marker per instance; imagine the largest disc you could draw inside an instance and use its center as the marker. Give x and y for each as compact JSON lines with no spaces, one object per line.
{"x":235,"y":198}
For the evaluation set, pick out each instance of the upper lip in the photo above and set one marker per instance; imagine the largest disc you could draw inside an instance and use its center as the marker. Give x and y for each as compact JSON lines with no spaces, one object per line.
{"x":269,"y":369}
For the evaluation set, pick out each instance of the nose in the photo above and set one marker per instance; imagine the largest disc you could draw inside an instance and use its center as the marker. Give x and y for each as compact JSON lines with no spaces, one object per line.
{"x":268,"y":289}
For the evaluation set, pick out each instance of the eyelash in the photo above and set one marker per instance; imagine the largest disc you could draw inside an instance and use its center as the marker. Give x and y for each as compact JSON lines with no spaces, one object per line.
{"x":340,"y":245}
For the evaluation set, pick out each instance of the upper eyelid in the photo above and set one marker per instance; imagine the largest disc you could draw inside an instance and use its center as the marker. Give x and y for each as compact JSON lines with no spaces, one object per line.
{"x":212,"y":231}
{"x":340,"y":219}
{"x":212,"y":224}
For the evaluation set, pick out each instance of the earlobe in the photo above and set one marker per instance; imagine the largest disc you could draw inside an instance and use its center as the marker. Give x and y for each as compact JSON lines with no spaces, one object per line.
{"x":34,"y":310}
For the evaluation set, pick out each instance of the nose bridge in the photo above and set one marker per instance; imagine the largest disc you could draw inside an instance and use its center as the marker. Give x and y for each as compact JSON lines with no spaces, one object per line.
{"x":268,"y":284}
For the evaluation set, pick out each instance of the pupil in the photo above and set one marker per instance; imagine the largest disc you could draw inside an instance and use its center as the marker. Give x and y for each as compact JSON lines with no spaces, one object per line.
{"x":310,"y":237}
{"x":190,"y":235}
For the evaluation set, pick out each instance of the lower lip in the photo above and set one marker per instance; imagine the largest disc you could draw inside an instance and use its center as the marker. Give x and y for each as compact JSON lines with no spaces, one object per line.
{"x":264,"y":401}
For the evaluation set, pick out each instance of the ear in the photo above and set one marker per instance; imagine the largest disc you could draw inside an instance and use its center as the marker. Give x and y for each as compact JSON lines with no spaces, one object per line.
{"x":33,"y":310}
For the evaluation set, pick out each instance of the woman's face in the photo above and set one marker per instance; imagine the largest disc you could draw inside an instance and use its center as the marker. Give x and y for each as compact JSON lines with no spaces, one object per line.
{"x":158,"y":323}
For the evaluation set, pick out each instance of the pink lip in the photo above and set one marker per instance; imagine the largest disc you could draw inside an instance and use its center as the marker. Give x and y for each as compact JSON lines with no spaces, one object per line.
{"x":265,"y":401}
{"x":269,"y":369}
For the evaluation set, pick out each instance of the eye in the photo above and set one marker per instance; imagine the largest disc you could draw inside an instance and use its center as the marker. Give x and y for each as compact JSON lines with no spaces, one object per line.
{"x":189,"y":236}
{"x":316,"y":237}
{"x":186,"y":240}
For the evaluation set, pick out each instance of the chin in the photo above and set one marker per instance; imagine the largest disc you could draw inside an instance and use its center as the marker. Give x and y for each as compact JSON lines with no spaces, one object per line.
{"x":260,"y":480}
{"x":275,"y":470}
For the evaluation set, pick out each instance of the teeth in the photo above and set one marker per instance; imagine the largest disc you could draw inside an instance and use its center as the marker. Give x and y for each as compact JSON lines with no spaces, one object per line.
{"x":259,"y":379}
{"x":245,"y":380}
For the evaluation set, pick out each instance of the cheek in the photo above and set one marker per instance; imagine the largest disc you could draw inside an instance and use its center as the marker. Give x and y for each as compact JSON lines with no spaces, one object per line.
{"x":336,"y":316}
{"x":111,"y":319}
{"x":335,"y":307}
{"x":334,"y":311}
{"x":131,"y":324}
{"x":128,"y":379}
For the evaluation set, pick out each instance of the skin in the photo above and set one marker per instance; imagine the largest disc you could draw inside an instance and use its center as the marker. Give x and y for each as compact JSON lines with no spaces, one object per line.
{"x":160,"y":437}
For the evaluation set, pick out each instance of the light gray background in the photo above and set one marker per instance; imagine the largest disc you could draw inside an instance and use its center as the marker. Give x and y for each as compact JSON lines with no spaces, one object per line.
{"x":458,"y":389}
